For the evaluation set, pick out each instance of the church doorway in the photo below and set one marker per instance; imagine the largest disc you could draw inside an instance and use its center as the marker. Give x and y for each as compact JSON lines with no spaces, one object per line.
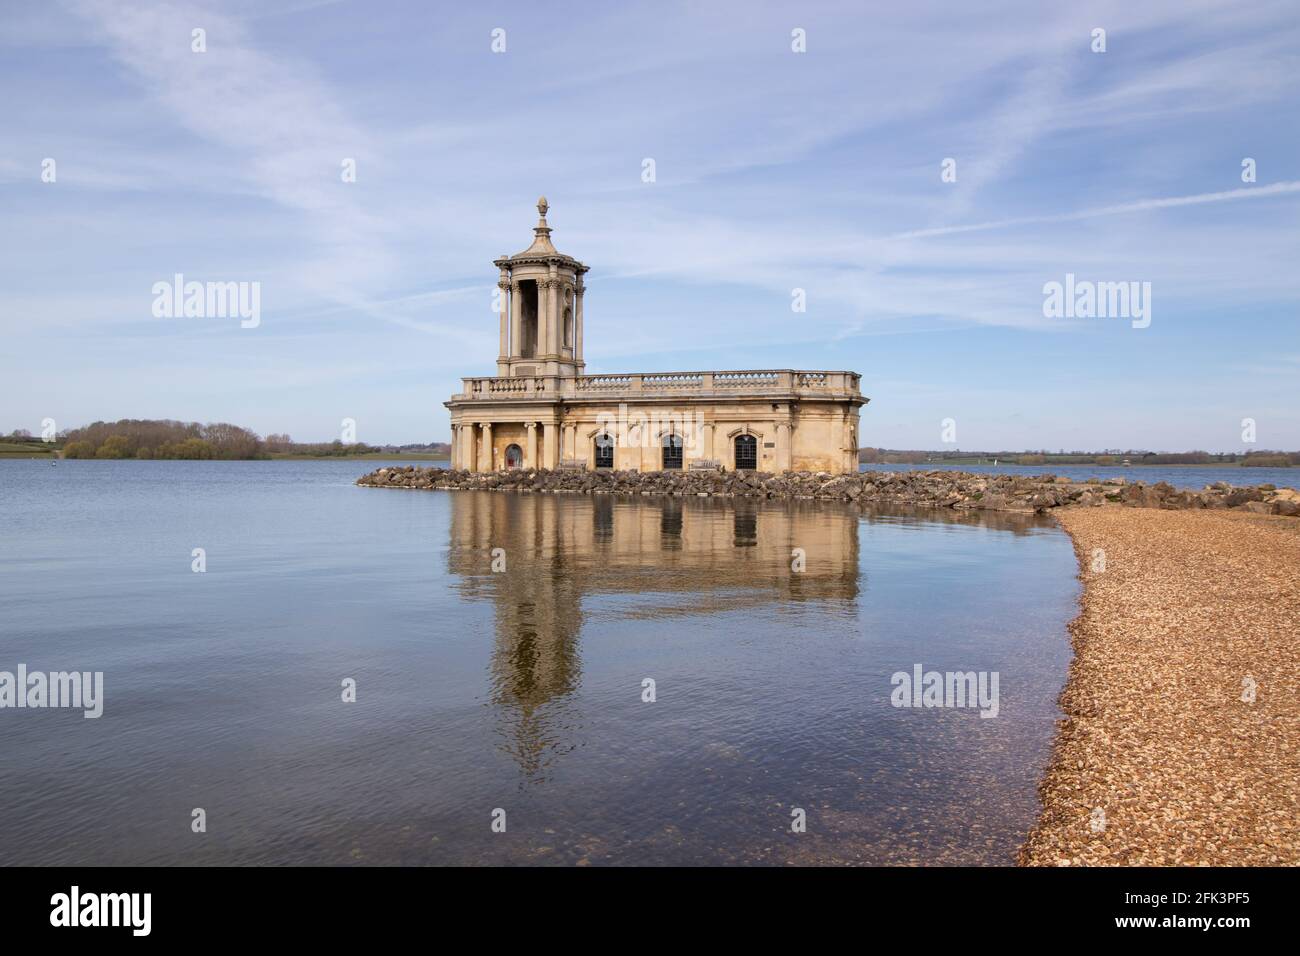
{"x":604,"y":451}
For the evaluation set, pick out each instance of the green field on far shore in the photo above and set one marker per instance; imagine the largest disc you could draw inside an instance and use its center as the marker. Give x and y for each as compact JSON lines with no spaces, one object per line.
{"x":20,"y":449}
{"x":10,"y":449}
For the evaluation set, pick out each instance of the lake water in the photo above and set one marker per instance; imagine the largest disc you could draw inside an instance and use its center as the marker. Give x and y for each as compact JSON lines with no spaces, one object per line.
{"x":1191,"y":477}
{"x":519,"y":690}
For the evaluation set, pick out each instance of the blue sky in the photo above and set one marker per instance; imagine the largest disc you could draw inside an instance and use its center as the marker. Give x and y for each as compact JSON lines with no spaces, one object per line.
{"x":775,"y":170}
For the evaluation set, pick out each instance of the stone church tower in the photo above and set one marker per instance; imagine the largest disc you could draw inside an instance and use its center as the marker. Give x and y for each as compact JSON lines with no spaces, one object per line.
{"x":542,"y":410}
{"x":541,"y":308}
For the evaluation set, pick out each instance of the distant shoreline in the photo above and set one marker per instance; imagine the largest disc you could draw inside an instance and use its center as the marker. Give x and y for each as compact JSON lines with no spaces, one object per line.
{"x":1066,"y":464}
{"x":377,"y":456}
{"x":427,"y":457}
{"x":1013,"y":463}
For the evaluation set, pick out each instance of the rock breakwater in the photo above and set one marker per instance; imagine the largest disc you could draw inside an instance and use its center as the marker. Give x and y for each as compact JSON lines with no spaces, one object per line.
{"x":927,"y":489}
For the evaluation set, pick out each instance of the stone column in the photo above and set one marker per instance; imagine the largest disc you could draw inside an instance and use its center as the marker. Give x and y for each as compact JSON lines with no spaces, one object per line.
{"x":516,"y":321}
{"x":550,"y":453}
{"x":543,"y":320}
{"x":504,"y":286}
{"x":782,"y":446}
{"x":557,"y":316}
{"x":485,"y":461}
{"x":469,"y":458}
{"x":577,"y":323}
{"x":530,"y":452}
{"x":851,"y":439}
{"x":455,"y":446}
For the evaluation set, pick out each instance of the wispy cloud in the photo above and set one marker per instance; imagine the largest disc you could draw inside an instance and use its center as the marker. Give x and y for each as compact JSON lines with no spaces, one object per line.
{"x":1119,"y":209}
{"x":275,"y":114}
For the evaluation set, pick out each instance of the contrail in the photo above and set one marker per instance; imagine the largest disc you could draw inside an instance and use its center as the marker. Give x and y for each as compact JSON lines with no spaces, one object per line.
{"x":1250,"y":192}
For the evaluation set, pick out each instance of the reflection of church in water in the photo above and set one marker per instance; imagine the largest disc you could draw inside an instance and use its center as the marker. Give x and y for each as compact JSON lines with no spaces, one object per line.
{"x":562,"y":550}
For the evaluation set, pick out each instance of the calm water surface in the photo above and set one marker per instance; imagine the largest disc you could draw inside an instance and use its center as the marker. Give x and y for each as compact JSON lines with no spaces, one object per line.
{"x":519,"y":690}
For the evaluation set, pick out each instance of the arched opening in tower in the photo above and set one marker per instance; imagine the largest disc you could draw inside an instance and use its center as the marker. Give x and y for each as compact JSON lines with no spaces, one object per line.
{"x":528,"y":318}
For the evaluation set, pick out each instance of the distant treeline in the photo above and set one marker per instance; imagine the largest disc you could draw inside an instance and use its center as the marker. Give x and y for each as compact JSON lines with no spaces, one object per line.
{"x":132,"y":438}
{"x":150,"y":438}
{"x":1262,"y":458}
{"x":221,"y":441}
{"x":440,"y":448}
{"x":284,"y":445}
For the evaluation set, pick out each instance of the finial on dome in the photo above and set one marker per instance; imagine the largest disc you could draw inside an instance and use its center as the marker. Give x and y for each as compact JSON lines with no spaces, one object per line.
{"x":541,"y":233}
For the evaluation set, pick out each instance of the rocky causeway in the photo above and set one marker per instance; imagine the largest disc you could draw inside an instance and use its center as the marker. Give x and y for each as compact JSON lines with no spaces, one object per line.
{"x":930,"y":489}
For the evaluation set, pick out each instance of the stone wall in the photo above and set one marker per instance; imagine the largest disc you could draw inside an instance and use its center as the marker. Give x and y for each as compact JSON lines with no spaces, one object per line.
{"x":820,"y":437}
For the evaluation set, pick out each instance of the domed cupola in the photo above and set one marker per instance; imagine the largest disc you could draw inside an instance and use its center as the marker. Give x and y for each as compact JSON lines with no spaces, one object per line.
{"x":541,"y":308}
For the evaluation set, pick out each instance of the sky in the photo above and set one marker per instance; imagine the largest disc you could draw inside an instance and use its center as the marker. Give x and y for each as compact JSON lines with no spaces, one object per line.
{"x":774,"y":170}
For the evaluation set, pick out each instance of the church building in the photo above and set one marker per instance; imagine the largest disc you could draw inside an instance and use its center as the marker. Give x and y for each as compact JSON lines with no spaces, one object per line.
{"x":541,"y":409}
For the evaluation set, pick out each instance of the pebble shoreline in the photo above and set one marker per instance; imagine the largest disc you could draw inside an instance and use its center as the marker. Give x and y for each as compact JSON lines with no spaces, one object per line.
{"x":1181,"y":741}
{"x":931,"y":489}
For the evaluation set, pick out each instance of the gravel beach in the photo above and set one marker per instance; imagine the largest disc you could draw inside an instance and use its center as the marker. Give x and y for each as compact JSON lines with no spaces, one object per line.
{"x":1181,"y":742}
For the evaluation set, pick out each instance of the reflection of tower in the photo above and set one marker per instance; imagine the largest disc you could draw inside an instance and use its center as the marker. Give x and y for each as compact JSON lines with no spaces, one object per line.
{"x":534,"y":669}
{"x":535,"y":664}
{"x":703,"y":555}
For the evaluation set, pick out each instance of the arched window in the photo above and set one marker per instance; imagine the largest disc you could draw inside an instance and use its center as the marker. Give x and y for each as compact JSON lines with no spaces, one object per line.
{"x":568,"y":328}
{"x":672,"y":452}
{"x":605,"y":450}
{"x":514,"y":456}
{"x":746,"y":452}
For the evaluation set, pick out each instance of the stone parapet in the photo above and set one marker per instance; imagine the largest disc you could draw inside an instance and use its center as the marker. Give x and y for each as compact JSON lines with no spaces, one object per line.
{"x":780,"y":383}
